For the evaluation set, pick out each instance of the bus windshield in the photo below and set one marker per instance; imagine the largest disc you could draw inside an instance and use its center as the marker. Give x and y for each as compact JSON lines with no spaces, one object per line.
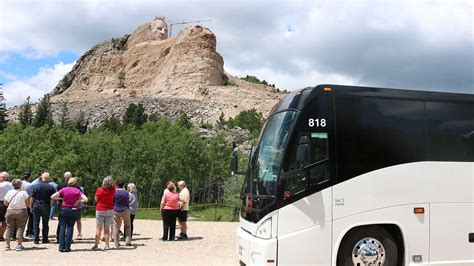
{"x":268,"y":156}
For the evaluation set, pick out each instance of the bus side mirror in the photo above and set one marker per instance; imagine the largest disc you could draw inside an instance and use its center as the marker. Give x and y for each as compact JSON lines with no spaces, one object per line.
{"x":234,"y":163}
{"x":302,"y":153}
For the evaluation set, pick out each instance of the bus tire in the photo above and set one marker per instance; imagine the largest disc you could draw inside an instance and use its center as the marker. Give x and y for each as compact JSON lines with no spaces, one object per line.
{"x":357,"y":238}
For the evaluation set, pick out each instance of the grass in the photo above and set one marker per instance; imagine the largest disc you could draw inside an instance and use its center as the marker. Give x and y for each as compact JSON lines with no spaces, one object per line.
{"x":210,"y":212}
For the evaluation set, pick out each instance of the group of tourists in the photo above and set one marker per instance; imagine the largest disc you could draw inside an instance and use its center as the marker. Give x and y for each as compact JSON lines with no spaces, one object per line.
{"x":23,"y":203}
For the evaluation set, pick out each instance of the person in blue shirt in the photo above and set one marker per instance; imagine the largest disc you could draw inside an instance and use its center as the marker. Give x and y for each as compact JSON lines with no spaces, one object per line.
{"x":41,"y":206}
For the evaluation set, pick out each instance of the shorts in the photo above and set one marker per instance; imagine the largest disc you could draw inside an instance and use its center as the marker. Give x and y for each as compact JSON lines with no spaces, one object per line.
{"x":79,"y":213}
{"x":183,"y":216}
{"x":104,"y":217}
{"x":3,"y":211}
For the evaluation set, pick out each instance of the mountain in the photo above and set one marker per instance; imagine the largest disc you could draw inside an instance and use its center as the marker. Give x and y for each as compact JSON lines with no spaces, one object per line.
{"x":167,"y":75}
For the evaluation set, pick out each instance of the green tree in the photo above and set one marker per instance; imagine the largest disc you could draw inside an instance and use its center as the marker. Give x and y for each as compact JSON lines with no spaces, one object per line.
{"x":43,"y":115}
{"x":26,"y":114}
{"x":64,"y":120}
{"x":221,"y":121}
{"x":184,"y":121}
{"x":112,"y":124}
{"x":249,"y":119}
{"x":135,"y":115}
{"x":3,"y":110}
{"x":81,"y":123}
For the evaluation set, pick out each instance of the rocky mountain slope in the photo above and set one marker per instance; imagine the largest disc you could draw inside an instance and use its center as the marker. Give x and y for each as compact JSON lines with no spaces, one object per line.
{"x":167,"y":75}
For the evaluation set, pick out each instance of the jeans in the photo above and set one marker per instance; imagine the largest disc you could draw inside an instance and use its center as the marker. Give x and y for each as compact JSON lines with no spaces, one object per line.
{"x":41,"y":211}
{"x":67,"y":219}
{"x":53,"y":208}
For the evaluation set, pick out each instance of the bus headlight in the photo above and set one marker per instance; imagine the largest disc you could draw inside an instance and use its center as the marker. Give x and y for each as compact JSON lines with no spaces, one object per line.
{"x":265,"y":229}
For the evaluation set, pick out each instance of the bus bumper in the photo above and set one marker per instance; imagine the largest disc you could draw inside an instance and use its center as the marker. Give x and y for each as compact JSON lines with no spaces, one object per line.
{"x":256,"y":251}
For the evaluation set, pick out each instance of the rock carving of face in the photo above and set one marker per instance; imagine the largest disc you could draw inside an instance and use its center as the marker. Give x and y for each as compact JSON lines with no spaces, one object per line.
{"x":159,"y":29}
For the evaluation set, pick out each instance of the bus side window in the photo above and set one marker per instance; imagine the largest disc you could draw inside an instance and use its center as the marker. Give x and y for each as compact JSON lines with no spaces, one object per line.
{"x":319,"y":170}
{"x":314,"y":172}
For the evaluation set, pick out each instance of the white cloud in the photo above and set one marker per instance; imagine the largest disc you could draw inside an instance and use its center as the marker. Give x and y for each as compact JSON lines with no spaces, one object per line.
{"x":408,"y":44}
{"x":36,"y":86}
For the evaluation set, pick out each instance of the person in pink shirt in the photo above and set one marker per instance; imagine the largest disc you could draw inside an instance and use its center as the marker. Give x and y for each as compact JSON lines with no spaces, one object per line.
{"x":70,"y":197}
{"x":169,"y":210}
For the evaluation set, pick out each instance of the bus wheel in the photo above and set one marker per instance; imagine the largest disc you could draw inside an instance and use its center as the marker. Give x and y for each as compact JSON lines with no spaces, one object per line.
{"x":367,"y":245}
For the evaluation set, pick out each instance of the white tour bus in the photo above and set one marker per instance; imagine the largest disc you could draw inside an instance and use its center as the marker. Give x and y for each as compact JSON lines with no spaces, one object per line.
{"x":348,"y":175}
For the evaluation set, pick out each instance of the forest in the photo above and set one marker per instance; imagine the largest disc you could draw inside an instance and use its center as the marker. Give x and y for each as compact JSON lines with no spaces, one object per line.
{"x":138,"y":148}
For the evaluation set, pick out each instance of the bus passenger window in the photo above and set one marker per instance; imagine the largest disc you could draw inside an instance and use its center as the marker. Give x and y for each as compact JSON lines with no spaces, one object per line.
{"x":314,"y":172}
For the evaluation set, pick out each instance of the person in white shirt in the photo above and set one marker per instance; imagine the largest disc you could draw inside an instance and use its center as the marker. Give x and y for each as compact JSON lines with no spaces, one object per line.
{"x":16,"y":201}
{"x":5,"y":186}
{"x":183,"y":215}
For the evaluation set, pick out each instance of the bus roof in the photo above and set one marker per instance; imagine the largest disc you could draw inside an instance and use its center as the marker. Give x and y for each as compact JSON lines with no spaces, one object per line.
{"x":297,"y":99}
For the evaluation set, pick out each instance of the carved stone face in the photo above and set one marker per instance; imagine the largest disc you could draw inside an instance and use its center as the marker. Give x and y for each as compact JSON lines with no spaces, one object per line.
{"x":159,"y":29}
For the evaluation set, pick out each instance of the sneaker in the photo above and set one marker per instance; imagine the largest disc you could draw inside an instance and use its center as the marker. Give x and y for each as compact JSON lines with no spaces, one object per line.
{"x":45,"y":242}
{"x":36,"y":242}
{"x":95,"y":248}
{"x":106,"y":248}
{"x":162,"y":239}
{"x":128,"y":244}
{"x":19,"y":248}
{"x":79,"y":237}
{"x":122,"y":238}
{"x":183,"y":237}
{"x":7,"y":247}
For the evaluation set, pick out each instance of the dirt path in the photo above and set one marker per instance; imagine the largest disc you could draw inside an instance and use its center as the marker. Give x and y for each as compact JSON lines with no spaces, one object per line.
{"x":210,"y":244}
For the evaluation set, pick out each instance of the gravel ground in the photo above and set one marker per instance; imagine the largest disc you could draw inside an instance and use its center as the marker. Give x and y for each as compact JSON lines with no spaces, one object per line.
{"x":210,"y":243}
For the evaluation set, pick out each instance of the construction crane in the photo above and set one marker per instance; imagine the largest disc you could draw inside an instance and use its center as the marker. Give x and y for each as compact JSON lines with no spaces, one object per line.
{"x":183,"y":22}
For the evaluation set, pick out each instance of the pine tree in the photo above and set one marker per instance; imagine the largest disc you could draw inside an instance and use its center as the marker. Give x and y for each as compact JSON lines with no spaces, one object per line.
{"x":3,"y":110}
{"x":81,"y":123}
{"x":113,"y":124}
{"x":64,"y":118}
{"x":26,"y":115}
{"x":135,"y":115}
{"x":43,"y":115}
{"x":221,"y":121}
{"x":184,"y":121}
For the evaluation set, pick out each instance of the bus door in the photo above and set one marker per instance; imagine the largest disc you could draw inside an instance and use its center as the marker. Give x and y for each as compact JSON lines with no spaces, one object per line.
{"x":304,"y":219}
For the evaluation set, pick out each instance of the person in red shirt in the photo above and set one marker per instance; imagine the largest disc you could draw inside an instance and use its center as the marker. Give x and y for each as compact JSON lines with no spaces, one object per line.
{"x":169,"y":210}
{"x":104,"y":198}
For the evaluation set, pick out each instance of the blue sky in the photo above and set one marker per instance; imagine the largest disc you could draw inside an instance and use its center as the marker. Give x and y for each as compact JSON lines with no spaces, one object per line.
{"x":19,"y":66}
{"x":425,"y":45}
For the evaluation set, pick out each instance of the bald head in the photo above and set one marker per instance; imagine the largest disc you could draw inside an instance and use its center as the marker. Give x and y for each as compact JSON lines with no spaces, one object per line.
{"x":45,"y":177}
